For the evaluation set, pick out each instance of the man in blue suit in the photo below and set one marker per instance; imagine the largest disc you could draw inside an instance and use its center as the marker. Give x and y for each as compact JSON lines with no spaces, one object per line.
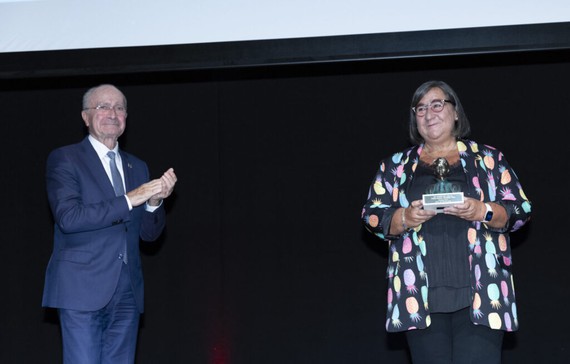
{"x":94,"y":276}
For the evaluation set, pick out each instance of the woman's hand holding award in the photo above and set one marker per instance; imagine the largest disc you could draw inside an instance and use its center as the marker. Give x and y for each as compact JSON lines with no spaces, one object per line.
{"x":442,"y":193}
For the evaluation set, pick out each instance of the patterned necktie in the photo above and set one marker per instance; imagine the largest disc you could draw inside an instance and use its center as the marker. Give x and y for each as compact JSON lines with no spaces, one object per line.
{"x":116,"y":176}
{"x":119,"y":190}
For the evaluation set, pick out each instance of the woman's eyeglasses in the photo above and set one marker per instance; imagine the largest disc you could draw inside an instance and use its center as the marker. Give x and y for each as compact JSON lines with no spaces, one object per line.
{"x":435,"y":106}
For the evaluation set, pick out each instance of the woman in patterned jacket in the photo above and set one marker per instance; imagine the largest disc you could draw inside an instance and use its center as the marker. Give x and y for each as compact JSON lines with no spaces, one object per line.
{"x":450,"y":282}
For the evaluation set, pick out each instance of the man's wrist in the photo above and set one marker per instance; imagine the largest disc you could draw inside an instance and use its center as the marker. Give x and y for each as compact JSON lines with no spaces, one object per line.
{"x":129,"y":202}
{"x":151,"y":208}
{"x":155,"y":202}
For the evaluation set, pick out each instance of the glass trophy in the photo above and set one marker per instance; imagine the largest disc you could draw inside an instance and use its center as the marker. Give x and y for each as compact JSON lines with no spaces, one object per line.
{"x":442,"y":193}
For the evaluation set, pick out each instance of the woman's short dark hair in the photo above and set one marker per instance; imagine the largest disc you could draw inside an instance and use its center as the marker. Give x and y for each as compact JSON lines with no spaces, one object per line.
{"x":462,"y":127}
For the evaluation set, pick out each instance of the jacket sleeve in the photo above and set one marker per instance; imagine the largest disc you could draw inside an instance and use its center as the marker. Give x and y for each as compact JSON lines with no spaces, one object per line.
{"x":509,"y":194}
{"x":378,"y":210}
{"x":69,"y":188}
{"x":153,"y":223}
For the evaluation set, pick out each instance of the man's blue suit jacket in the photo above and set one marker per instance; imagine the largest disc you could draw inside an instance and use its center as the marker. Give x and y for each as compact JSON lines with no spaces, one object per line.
{"x":91,"y":227}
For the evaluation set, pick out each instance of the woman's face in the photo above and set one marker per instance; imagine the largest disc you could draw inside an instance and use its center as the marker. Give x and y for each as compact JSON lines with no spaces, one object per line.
{"x":436,"y":127}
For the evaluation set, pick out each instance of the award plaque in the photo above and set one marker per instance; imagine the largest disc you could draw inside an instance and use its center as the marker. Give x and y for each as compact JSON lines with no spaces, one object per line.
{"x":442,"y":193}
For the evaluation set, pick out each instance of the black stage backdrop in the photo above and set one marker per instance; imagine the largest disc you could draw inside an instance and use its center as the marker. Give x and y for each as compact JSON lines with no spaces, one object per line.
{"x":265,"y":259}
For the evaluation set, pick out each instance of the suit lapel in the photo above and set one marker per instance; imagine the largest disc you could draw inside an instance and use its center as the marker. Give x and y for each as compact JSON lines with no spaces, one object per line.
{"x":127,"y":171}
{"x":471,"y":169}
{"x":96,"y":169}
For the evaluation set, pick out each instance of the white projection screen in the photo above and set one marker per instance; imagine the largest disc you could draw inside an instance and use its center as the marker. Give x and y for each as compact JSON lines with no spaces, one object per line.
{"x":228,"y":33}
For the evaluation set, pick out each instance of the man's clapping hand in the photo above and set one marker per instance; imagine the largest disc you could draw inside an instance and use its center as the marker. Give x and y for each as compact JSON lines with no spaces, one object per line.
{"x":154,"y":191}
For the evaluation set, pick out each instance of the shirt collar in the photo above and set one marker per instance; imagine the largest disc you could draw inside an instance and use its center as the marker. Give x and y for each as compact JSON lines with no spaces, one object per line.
{"x":101,"y":149}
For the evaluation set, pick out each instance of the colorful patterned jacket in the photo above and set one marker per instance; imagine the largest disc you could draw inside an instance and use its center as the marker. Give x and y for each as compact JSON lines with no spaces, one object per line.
{"x":489,"y":178}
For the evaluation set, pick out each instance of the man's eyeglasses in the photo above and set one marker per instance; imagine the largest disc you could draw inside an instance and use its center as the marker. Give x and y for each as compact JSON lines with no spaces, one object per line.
{"x":435,"y":106}
{"x":105,"y":108}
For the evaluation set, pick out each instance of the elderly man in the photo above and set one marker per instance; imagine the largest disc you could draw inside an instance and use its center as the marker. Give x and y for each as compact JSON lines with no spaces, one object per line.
{"x":103,"y":202}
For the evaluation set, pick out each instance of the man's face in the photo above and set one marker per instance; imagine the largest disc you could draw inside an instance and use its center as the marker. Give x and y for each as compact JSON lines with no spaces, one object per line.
{"x":106,"y":114}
